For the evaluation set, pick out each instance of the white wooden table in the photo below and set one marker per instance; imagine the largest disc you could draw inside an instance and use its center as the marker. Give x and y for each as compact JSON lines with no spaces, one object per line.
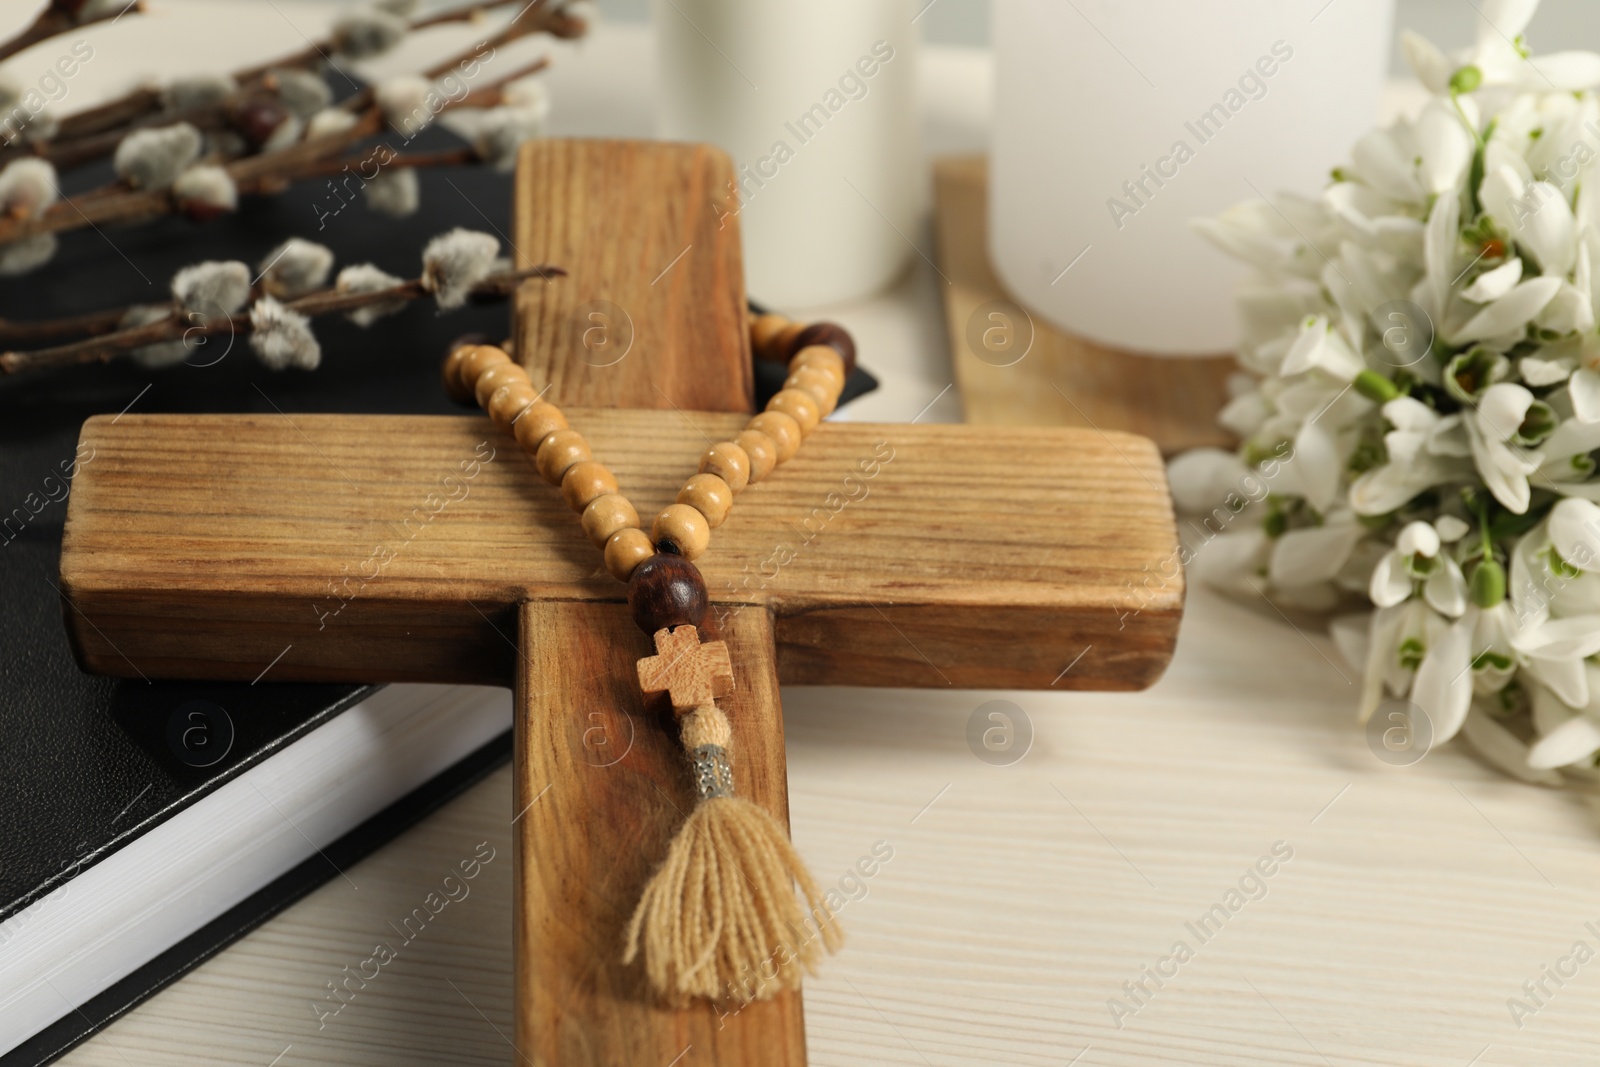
{"x":1019,"y":899}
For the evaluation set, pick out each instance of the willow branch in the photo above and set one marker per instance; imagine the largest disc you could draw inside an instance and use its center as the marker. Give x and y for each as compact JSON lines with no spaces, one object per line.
{"x":55,"y":20}
{"x":330,"y":301}
{"x":541,"y":16}
{"x":116,"y":203}
{"x":322,"y":168}
{"x":87,"y":324}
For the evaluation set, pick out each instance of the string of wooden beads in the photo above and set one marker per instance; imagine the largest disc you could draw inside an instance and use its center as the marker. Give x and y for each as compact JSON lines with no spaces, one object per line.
{"x":820,"y":358}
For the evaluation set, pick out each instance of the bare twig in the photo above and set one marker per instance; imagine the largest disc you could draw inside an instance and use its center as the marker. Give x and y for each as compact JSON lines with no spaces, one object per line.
{"x":116,"y":203}
{"x":88,"y":324}
{"x":541,"y":16}
{"x":322,"y":302}
{"x":59,"y":18}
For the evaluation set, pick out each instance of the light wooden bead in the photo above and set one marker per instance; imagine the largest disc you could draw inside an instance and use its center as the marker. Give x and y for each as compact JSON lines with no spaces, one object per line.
{"x":509,"y":401}
{"x":761,"y":450}
{"x":823,"y":360}
{"x":475,"y":363}
{"x":538,"y":421}
{"x":451,"y":373}
{"x":709,"y":495}
{"x":607,"y":514}
{"x":819,"y":384}
{"x":493,"y":378}
{"x":727,"y":461}
{"x":627,"y":548}
{"x":821,"y":357}
{"x":685,"y":527}
{"x":763,"y":332}
{"x":585,"y":481}
{"x":558,"y":452}
{"x":781,"y":429}
{"x":799,"y":406}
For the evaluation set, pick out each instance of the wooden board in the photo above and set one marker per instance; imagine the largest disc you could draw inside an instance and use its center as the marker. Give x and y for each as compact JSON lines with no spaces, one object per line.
{"x":600,"y":764}
{"x":648,"y":234}
{"x":217,"y":546}
{"x":1063,"y":380}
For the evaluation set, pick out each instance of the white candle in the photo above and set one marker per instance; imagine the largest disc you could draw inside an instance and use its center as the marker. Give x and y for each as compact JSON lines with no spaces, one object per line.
{"x":815,"y":103}
{"x":1118,"y":122}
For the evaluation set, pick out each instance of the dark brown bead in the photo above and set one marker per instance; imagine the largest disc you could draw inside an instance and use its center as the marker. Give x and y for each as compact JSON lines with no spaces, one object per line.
{"x":666,"y":590}
{"x":257,"y":118}
{"x":830,"y":334}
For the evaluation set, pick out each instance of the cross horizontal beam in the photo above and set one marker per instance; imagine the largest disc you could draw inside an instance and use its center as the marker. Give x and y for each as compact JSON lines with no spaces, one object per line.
{"x":333,"y":548}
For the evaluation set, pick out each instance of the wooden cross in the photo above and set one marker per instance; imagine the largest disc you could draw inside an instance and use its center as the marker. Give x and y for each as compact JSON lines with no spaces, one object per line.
{"x":690,"y":672}
{"x":364,"y":549}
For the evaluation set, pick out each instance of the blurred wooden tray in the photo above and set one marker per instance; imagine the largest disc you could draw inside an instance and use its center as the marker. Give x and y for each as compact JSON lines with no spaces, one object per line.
{"x":1062,"y":380}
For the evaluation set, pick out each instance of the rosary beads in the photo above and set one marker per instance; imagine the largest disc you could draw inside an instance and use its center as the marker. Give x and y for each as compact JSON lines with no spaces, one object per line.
{"x":718,"y":919}
{"x":820,"y":358}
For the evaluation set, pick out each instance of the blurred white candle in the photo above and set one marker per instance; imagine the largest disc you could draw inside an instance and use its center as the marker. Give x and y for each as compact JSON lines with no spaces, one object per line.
{"x":1117,"y":122}
{"x":815,"y":103}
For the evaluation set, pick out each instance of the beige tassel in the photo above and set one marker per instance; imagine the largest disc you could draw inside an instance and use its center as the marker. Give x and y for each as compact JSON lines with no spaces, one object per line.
{"x":719,"y":919}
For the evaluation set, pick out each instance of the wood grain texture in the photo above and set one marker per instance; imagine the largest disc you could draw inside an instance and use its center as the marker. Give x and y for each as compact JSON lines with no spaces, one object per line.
{"x":221,"y":546}
{"x":1415,"y":905}
{"x":1063,"y":380}
{"x":649,"y":236}
{"x":689,"y":672}
{"x":603,"y":786}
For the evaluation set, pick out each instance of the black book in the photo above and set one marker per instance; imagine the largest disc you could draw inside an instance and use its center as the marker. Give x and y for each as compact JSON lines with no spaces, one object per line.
{"x":114,"y":790}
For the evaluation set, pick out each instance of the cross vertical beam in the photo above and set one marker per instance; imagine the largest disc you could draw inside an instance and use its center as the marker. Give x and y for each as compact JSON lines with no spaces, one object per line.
{"x":602,"y":785}
{"x":651,"y":314}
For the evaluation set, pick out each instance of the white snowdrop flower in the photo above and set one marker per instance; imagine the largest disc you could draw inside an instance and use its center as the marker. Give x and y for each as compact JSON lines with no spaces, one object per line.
{"x":191,"y":92}
{"x":366,"y":278}
{"x":161,"y":353}
{"x":1431,"y":66}
{"x":27,"y":187}
{"x":396,"y":192}
{"x":365,"y":32}
{"x":1320,"y":347}
{"x":153,"y":158}
{"x":205,"y":191}
{"x":1503,"y":749}
{"x":1313,"y":555}
{"x":27,"y":253}
{"x":454,"y":262}
{"x":1497,"y":433}
{"x":503,"y":130}
{"x":328,"y":121}
{"x":1510,"y":314}
{"x":282,"y":338}
{"x":1491,"y":285}
{"x":212,"y":288}
{"x":1406,"y":444}
{"x":295,"y":267}
{"x":1424,"y":450}
{"x":1568,"y":736}
{"x":1443,"y":686}
{"x":1415,"y":563}
{"x":301,"y":91}
{"x":1202,"y":479}
{"x":407,"y":102}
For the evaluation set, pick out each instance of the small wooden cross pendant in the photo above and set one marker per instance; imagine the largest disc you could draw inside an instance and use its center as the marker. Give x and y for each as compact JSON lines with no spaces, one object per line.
{"x":689,"y":672}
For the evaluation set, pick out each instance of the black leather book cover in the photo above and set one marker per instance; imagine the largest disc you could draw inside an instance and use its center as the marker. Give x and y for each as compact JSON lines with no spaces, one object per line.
{"x":88,"y":763}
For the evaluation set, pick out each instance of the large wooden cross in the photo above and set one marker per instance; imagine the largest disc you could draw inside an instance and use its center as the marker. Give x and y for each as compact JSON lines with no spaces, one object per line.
{"x":364,"y":549}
